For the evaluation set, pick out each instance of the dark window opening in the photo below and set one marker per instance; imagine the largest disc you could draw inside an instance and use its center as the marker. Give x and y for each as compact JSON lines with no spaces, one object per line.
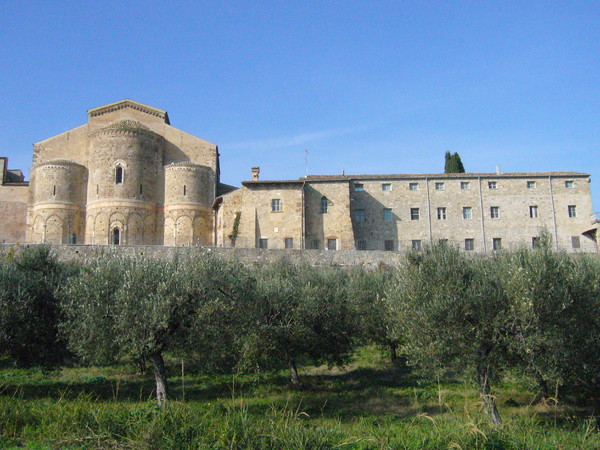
{"x":54,"y":190}
{"x":119,"y":175}
{"x":184,"y":189}
{"x":116,"y":236}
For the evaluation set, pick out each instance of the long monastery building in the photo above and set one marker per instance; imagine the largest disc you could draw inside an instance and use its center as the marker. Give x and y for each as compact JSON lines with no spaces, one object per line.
{"x":127,"y":177}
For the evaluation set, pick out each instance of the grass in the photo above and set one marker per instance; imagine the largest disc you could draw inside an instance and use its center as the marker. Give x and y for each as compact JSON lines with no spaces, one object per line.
{"x":367,"y":405}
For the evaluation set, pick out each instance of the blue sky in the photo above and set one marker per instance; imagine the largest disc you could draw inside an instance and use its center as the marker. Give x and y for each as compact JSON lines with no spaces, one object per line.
{"x":365,"y":86}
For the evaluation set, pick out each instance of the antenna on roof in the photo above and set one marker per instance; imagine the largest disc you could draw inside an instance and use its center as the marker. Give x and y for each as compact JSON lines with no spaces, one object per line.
{"x":305,"y":162}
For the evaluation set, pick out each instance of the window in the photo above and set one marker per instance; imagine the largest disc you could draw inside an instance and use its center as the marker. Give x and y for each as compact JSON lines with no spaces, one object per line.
{"x":54,"y":190}
{"x":569,"y":184}
{"x":469,"y":244}
{"x":289,"y":242}
{"x":184,"y":189}
{"x":572,"y":211}
{"x":464,"y":185}
{"x":388,"y":245}
{"x":416,"y":244}
{"x":275,"y":205}
{"x":116,"y":236}
{"x":358,"y":187}
{"x":413,"y":186}
{"x":441,"y":213}
{"x":467,"y":213}
{"x":97,"y":189}
{"x":386,"y":187}
{"x":439,"y":186}
{"x":497,"y":243}
{"x":535,"y":242}
{"x":324,"y":205}
{"x":387,"y":214}
{"x":141,"y":189}
{"x":316,"y":244}
{"x":331,"y":244}
{"x":361,"y":244}
{"x":414,"y":213}
{"x":263,"y":243}
{"x":119,"y":175}
{"x":73,"y":238}
{"x":495,"y":212}
{"x":533,"y":211}
{"x":531,"y":185}
{"x":443,"y":241}
{"x":492,"y":185}
{"x":359,"y":215}
{"x":575,"y":242}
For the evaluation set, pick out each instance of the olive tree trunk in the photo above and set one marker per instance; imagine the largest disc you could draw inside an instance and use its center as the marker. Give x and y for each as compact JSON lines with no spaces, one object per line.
{"x":294,"y":373}
{"x":160,"y":374}
{"x":489,"y":401}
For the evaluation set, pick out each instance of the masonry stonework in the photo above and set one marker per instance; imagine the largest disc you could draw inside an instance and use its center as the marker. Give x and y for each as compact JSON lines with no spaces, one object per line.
{"x":127,"y":177}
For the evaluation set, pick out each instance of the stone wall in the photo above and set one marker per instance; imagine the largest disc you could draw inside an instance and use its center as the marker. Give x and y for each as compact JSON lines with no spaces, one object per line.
{"x":13,"y":212}
{"x":342,"y":258}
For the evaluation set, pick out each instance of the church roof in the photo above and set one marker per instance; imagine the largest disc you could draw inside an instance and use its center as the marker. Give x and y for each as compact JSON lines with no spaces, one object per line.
{"x":127,"y":103}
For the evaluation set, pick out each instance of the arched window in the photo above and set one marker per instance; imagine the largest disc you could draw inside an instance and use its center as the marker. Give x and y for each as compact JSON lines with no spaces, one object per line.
{"x":116,"y":236}
{"x":119,"y":175}
{"x":184,"y":189}
{"x":324,"y":205}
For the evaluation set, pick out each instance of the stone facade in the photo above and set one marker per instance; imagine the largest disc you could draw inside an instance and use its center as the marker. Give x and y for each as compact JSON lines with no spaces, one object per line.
{"x":479,"y":212}
{"x":128,"y":177}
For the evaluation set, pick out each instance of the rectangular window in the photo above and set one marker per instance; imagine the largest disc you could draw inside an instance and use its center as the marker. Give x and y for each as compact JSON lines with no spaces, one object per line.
{"x":359,"y":187}
{"x":414,"y":213}
{"x":359,"y":215}
{"x":386,"y":187}
{"x":388,"y":245}
{"x":533,"y":211}
{"x":387,"y":214}
{"x":492,"y":185}
{"x":331,"y":244}
{"x":467,"y":212}
{"x":497,"y":243}
{"x":575,"y":242}
{"x":572,"y":211}
{"x":535,"y":242}
{"x":413,"y":186}
{"x":464,"y":185}
{"x":469,"y":244}
{"x":316,"y":244}
{"x":361,"y":244}
{"x":439,"y":186}
{"x":416,"y":244}
{"x":263,"y":243}
{"x":531,"y":185}
{"x":495,"y":212}
{"x":441,"y":213}
{"x":569,"y":184}
{"x":275,"y":205}
{"x":289,"y":242}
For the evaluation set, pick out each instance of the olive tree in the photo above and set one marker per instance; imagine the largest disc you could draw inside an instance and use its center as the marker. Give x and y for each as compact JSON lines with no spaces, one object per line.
{"x":301,"y":312}
{"x":375,"y":313}
{"x":139,"y":307}
{"x":29,"y":310}
{"x":451,"y":310}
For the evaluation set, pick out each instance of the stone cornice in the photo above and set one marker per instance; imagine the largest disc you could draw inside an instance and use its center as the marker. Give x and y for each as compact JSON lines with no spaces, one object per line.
{"x":129,"y":104}
{"x":126,"y":127}
{"x":185,"y":165}
{"x":58,"y":164}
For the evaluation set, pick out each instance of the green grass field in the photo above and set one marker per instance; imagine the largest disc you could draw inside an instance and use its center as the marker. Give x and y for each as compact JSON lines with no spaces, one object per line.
{"x":368,"y":404}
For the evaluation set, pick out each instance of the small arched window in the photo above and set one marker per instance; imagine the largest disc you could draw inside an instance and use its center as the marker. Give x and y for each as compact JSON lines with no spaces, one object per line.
{"x":116,"y":236}
{"x":119,"y":175}
{"x":324,"y":205}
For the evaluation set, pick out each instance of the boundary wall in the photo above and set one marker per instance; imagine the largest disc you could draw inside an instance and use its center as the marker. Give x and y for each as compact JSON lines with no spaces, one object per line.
{"x":344,"y":258}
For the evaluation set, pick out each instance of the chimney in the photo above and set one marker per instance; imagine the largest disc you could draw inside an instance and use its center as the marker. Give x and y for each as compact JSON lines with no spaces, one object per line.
{"x":498,"y":170}
{"x":255,"y":172}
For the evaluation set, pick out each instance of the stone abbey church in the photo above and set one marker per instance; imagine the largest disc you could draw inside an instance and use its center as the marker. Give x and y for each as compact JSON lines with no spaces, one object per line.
{"x":127,"y":177}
